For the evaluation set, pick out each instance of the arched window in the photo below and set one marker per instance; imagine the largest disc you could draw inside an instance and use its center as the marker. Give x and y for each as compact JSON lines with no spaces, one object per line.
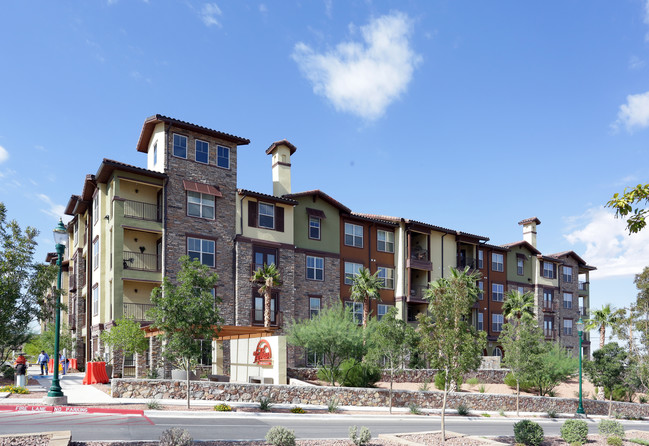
{"x":498,"y":352}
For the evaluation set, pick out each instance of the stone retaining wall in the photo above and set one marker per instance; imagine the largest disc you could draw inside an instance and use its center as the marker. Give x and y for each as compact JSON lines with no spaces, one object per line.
{"x":485,"y":376}
{"x":347,"y":396}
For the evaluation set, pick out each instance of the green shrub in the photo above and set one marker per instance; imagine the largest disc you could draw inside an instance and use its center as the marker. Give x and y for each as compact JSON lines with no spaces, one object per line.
{"x":280,"y":436}
{"x":482,"y":388}
{"x":425,"y":386}
{"x":642,"y":399}
{"x":358,"y":374}
{"x":473,"y":381}
{"x":439,"y":382}
{"x":360,"y":438}
{"x":610,"y":428}
{"x":7,"y":371}
{"x":552,"y":413}
{"x":574,"y":431}
{"x":614,"y":441}
{"x":223,"y":408}
{"x":265,"y":404}
{"x":324,"y":374}
{"x":153,"y":405}
{"x":501,"y":412}
{"x":297,"y":409}
{"x":462,"y":410}
{"x":175,"y":436}
{"x":414,"y":409}
{"x":332,"y":405}
{"x":639,"y":441}
{"x":486,"y":415}
{"x":525,"y":386}
{"x":528,"y":432}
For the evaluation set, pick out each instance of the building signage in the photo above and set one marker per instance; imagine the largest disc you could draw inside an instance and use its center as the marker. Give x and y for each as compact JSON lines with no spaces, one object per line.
{"x":262,"y":353}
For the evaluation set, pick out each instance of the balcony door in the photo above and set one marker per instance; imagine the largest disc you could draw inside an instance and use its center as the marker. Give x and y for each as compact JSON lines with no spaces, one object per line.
{"x":264,"y":256}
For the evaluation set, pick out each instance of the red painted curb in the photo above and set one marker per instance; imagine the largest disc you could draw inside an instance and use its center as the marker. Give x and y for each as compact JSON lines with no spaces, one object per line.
{"x":68,"y":409}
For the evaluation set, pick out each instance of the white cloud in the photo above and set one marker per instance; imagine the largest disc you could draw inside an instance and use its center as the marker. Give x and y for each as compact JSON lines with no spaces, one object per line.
{"x":4,"y":155}
{"x":209,"y":14}
{"x":635,"y":113}
{"x":55,"y":210}
{"x":263,"y":8}
{"x":635,"y":63}
{"x":329,"y":8}
{"x":609,"y":247}
{"x":363,"y":78}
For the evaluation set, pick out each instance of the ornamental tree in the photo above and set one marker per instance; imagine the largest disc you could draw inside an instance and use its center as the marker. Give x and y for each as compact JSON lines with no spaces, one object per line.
{"x":186,"y":310}
{"x":607,"y":369}
{"x":127,"y":336}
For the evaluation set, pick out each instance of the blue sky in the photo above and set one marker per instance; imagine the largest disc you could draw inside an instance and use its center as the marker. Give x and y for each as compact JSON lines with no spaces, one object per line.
{"x":469,"y":115}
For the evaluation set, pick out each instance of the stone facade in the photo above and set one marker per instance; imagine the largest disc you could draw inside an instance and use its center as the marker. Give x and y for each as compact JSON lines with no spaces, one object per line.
{"x":347,"y":396}
{"x":568,"y":310}
{"x":485,"y":376}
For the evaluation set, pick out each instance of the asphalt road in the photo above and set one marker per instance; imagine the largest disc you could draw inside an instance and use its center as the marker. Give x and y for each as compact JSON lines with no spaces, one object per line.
{"x":87,"y":427}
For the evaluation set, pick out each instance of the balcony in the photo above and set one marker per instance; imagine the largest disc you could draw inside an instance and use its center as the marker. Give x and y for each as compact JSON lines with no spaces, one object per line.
{"x":419,"y":259}
{"x":257,"y":317}
{"x":472,"y":264}
{"x":72,"y":282}
{"x":142,"y":262}
{"x":417,"y":294}
{"x":583,"y":286}
{"x":550,"y":334}
{"x":549,"y":306}
{"x":142,"y":211}
{"x":583,"y":312}
{"x":137,"y":312}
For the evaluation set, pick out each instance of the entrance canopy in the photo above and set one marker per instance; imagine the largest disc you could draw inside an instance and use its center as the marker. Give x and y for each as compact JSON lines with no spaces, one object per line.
{"x":227,"y":332}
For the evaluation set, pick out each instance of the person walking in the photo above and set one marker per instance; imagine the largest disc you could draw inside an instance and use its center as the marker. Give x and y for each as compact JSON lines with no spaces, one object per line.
{"x":43,"y":360}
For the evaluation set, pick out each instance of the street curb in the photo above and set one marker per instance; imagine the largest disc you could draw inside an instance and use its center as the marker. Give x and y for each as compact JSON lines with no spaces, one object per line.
{"x":59,"y":438}
{"x":68,"y":409}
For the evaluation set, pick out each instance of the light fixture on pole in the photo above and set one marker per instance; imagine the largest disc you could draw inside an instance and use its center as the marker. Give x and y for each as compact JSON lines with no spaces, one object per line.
{"x":55,"y":395}
{"x":580,"y":331}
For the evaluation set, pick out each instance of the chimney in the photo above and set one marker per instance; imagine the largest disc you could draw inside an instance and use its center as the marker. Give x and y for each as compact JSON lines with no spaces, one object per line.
{"x":281,"y":152}
{"x":529,"y":229}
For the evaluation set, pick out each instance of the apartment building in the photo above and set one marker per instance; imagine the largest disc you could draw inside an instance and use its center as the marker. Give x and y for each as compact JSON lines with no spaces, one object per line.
{"x":130,"y":225}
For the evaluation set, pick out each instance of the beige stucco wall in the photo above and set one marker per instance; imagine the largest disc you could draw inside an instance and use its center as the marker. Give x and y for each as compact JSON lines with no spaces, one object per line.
{"x":157,"y":137}
{"x":261,"y":233}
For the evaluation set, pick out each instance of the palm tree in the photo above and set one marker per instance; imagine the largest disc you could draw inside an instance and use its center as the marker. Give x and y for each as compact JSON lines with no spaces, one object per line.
{"x":270,"y":277}
{"x":518,"y":306}
{"x":601,"y":318}
{"x":366,"y":286}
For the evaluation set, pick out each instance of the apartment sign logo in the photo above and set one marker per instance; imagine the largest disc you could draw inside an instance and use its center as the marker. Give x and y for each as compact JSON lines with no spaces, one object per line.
{"x":262,"y":354}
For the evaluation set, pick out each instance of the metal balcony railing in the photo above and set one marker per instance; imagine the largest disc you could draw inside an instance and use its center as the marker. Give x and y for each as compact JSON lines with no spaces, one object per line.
{"x":144,"y":211}
{"x":257,"y":317}
{"x":418,"y":292}
{"x":549,"y":306}
{"x":472,"y":264}
{"x":583,"y":286}
{"x":141,"y":261}
{"x":419,"y":254}
{"x":137,"y":312}
{"x":550,"y":333}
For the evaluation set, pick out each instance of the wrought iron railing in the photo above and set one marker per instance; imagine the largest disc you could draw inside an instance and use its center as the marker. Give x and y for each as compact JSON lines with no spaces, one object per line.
{"x":583,"y":286}
{"x":141,"y":261}
{"x":137,"y":311}
{"x":144,"y":211}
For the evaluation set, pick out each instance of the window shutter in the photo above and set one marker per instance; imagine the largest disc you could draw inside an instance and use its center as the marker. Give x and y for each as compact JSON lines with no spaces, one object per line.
{"x":279,"y":219}
{"x":252,"y":214}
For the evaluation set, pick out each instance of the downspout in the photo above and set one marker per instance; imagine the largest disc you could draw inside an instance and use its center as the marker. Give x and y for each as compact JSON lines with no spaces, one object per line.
{"x":89,"y":224}
{"x":234,"y":261}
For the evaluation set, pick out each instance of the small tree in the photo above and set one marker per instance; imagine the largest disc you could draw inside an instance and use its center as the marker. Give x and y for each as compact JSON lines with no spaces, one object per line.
{"x":127,"y":336}
{"x":269,"y":276}
{"x":390,"y":347}
{"x":332,"y":334}
{"x":186,"y":311}
{"x":366,"y":287}
{"x":624,"y":205}
{"x":524,"y":345}
{"x":607,"y":369}
{"x":452,"y":343}
{"x":518,"y":307}
{"x":555,"y":366}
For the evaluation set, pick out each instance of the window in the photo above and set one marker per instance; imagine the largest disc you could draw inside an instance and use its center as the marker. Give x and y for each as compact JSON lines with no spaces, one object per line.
{"x":497,"y":262}
{"x":351,"y":269}
{"x":353,"y":235}
{"x":357,"y":311}
{"x":202,"y":151}
{"x":95,"y":300}
{"x":201,"y":249}
{"x":387,"y":276}
{"x":480,"y":258}
{"x":567,"y":274}
{"x":95,"y":209}
{"x":314,"y":228}
{"x":223,"y":157}
{"x":314,"y":307}
{"x":200,"y":205}
{"x":258,"y":309}
{"x":385,"y":241}
{"x":480,"y":321}
{"x":266,"y":215}
{"x":496,"y":322}
{"x":521,"y":290}
{"x":497,"y":292}
{"x":548,"y":270}
{"x":155,"y":153}
{"x":314,"y":268}
{"x":481,"y":288}
{"x":382,"y":310}
{"x":95,"y":254}
{"x":567,"y":327}
{"x":498,"y":352}
{"x":263,"y":256}
{"x":567,"y":300}
{"x":519,"y":267}
{"x":76,"y":233}
{"x":206,"y":352}
{"x":547,"y":299}
{"x":180,"y":146}
{"x":313,"y":360}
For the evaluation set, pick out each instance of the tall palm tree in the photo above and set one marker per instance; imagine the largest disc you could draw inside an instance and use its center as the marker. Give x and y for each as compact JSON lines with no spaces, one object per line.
{"x":601,"y":318}
{"x":366,"y":286}
{"x":269,"y":276}
{"x":518,"y":306}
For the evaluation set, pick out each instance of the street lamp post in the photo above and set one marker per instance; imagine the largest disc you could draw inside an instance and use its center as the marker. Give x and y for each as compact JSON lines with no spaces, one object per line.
{"x":580,"y":330}
{"x":55,"y":395}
